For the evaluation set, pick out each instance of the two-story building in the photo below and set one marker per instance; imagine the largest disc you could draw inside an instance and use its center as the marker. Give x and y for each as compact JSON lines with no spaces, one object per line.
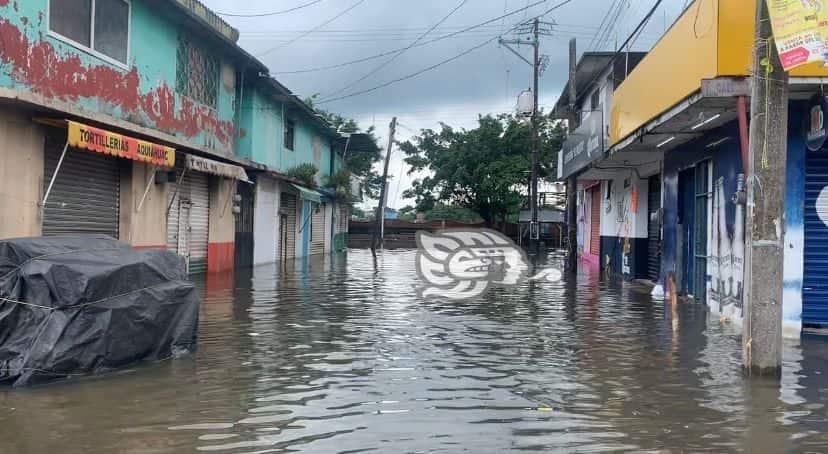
{"x":685,"y":107}
{"x":610,"y":231}
{"x":291,"y":218}
{"x":140,"y":119}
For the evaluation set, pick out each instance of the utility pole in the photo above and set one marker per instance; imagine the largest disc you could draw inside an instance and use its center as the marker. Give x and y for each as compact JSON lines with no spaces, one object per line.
{"x":534,"y":41}
{"x":762,"y":327}
{"x":380,"y":217}
{"x":534,"y":227}
{"x":571,"y":182}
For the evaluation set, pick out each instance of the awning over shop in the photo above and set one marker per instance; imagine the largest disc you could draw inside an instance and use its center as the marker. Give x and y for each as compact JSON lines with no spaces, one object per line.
{"x":112,"y":143}
{"x":308,"y":194}
{"x":205,"y":165}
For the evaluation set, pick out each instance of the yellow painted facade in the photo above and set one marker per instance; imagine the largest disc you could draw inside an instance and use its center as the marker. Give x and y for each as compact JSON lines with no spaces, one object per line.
{"x":712,"y":38}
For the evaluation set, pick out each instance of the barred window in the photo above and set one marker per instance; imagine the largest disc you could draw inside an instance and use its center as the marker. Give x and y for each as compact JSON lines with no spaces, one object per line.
{"x":290,"y":134}
{"x":196,"y":73}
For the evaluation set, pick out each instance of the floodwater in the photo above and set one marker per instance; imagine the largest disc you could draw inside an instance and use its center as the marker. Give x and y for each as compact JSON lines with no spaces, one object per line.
{"x":340,"y":356}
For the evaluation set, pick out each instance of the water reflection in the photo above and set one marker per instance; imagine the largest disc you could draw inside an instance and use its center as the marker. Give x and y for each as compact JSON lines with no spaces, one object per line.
{"x":339,"y":355}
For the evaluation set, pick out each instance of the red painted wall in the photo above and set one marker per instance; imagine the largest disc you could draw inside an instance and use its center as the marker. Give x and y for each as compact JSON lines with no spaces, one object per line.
{"x":220,"y":256}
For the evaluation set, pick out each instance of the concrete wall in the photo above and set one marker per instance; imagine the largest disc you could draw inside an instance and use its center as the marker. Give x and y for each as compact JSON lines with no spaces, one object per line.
{"x":146,"y":228}
{"x":41,"y":68}
{"x":21,"y":174}
{"x":624,"y":225}
{"x":266,"y":221}
{"x":222,"y":234}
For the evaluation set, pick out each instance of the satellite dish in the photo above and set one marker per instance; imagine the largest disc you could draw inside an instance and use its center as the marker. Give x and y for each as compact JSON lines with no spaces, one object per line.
{"x":525,"y":103}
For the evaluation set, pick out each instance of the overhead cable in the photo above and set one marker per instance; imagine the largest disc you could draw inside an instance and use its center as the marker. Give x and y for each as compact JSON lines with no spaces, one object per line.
{"x":391,"y":52}
{"x":441,"y":63}
{"x":337,"y":16}
{"x":274,"y":13}
{"x":394,"y":57}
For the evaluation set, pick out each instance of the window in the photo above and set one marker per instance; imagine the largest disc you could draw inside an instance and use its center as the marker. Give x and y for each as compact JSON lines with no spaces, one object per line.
{"x":196,"y":73}
{"x":290,"y":134}
{"x":595,"y":99}
{"x":99,"y":25}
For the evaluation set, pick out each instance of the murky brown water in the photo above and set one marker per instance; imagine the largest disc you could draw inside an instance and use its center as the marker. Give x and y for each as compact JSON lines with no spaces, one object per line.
{"x":341,"y":357}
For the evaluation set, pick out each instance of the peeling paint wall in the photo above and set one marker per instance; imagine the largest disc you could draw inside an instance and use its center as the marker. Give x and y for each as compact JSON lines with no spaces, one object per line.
{"x":45,"y":69}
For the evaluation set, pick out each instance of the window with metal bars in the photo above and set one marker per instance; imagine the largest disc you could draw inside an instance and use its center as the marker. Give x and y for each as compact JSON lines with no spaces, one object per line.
{"x":196,"y":73}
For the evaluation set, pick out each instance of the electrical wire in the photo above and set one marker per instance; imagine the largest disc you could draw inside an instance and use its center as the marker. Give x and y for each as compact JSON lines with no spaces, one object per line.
{"x":274,"y":13}
{"x":441,"y":63}
{"x":602,"y":24}
{"x":394,"y":57}
{"x":424,"y":43}
{"x":335,"y":17}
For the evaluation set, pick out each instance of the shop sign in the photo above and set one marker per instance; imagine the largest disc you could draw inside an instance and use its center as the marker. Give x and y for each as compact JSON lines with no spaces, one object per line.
{"x":215,"y":168}
{"x":815,"y":127}
{"x":799,"y":31}
{"x":583,"y":145}
{"x":111,"y":143}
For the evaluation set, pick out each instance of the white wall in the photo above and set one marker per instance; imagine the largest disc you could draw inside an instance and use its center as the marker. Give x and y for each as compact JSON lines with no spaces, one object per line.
{"x":618,"y":220}
{"x":266,"y":221}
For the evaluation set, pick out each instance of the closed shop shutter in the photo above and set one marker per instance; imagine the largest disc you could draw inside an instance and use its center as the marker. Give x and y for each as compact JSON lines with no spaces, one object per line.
{"x":287,"y":227}
{"x":189,"y":220}
{"x":344,"y":216}
{"x":653,"y":228}
{"x":85,"y":197}
{"x":595,"y":222}
{"x":317,"y":226}
{"x":815,"y":284}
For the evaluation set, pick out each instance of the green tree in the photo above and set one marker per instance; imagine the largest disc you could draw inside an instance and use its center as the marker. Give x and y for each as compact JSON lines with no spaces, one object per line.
{"x":360,"y":164}
{"x":485,"y":169}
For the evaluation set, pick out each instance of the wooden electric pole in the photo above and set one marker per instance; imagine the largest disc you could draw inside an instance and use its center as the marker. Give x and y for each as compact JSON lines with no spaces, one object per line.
{"x":380,"y":216}
{"x":762,"y":327}
{"x":571,"y":182}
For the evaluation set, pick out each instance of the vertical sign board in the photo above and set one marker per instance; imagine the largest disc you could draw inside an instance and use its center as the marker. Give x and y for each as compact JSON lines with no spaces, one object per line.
{"x":583,"y":145}
{"x":815,"y":127}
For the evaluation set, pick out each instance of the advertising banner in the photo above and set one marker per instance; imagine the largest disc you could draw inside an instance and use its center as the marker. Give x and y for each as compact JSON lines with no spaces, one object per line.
{"x":111,"y":143}
{"x":583,"y":145}
{"x":799,"y":30}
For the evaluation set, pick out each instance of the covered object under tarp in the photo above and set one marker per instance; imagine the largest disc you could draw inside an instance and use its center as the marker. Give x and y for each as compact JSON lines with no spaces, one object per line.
{"x":72,"y":305}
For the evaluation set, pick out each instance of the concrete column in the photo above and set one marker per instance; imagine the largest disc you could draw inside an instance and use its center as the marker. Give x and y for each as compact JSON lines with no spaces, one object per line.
{"x":221,"y":246}
{"x":147,"y":228}
{"x":21,"y":174}
{"x":764,"y":259}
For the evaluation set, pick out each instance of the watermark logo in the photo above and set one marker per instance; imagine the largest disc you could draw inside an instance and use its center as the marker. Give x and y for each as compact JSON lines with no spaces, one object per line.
{"x":464,"y":263}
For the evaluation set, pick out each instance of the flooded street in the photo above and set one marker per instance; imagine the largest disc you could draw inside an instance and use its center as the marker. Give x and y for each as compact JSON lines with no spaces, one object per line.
{"x":340,"y":356}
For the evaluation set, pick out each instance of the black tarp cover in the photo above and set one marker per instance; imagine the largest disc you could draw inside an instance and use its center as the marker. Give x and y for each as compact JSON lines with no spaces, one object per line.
{"x":72,"y":305}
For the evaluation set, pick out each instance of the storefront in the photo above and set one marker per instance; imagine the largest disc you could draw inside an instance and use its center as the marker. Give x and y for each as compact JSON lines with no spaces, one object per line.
{"x":83,"y":169}
{"x":190,"y":209}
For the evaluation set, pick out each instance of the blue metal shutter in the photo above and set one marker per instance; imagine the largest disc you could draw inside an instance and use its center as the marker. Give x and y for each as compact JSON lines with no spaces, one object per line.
{"x":815,"y":283}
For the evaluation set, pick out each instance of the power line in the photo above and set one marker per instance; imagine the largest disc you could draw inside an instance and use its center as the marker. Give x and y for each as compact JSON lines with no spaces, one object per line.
{"x":394,"y":57}
{"x":274,"y":13}
{"x":603,"y":22}
{"x":424,"y":43}
{"x":337,"y":16}
{"x":441,"y":63}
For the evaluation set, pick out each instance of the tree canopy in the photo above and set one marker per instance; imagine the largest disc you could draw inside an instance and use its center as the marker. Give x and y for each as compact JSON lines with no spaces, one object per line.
{"x":485,"y":169}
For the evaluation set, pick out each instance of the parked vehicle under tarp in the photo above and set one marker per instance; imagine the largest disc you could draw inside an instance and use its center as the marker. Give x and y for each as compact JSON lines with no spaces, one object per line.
{"x":73,"y":305}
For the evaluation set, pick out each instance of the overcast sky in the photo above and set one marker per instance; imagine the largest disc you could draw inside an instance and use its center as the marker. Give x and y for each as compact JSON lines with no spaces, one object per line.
{"x":486,"y":80}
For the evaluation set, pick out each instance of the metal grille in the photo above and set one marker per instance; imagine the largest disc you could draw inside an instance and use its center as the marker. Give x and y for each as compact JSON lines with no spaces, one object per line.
{"x":814,"y":284}
{"x":196,"y":73}
{"x":188,"y":221}
{"x":317,"y":227}
{"x":654,"y":228}
{"x":287,"y":226}
{"x":595,"y":222}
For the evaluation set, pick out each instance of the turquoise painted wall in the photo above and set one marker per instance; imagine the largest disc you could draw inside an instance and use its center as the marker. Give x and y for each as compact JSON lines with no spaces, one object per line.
{"x":142,"y":91}
{"x":262,"y":138}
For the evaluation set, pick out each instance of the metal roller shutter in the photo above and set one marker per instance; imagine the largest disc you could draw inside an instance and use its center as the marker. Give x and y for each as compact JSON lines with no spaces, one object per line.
{"x":287,"y":229}
{"x":85,"y":197}
{"x":317,"y":226}
{"x":595,"y":222}
{"x":653,"y":228}
{"x":815,"y":285}
{"x":189,"y":218}
{"x":344,"y":216}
